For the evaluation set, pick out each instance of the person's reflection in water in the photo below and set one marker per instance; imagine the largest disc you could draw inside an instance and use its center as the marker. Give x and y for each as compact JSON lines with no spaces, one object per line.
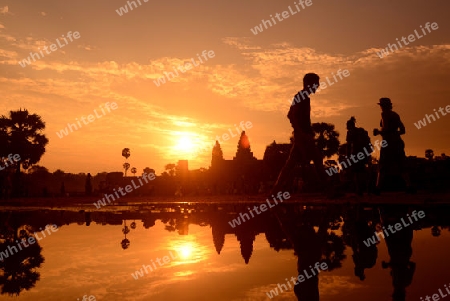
{"x":312,"y":248}
{"x":307,"y":248}
{"x":356,"y":229}
{"x":400,"y":252}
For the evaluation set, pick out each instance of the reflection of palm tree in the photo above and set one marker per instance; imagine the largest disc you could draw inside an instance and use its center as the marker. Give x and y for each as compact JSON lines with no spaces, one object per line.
{"x":125,"y":242}
{"x":133,"y":225}
{"x":19,"y":270}
{"x":429,"y":154}
{"x":435,"y":231}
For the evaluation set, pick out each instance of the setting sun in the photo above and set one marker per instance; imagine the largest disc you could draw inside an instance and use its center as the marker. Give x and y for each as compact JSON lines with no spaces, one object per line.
{"x":185,"y":144}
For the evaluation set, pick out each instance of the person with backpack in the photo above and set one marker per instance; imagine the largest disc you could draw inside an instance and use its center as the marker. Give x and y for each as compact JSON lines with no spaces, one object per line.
{"x":357,"y":141}
{"x":303,"y":148}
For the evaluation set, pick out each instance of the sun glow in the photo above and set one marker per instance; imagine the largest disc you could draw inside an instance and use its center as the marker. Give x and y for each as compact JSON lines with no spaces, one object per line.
{"x":189,"y":251}
{"x":185,"y":144}
{"x":190,"y":145}
{"x":185,"y":251}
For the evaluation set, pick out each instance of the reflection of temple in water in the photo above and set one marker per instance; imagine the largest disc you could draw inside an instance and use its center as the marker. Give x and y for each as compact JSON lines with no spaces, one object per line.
{"x":308,"y":231}
{"x":178,"y":219}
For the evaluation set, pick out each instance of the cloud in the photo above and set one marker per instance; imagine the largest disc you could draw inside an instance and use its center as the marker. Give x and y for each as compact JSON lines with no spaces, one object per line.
{"x":5,"y":11}
{"x":87,"y":47}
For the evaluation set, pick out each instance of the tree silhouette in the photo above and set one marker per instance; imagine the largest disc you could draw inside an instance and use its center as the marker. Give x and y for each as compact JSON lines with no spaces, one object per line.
{"x":134,"y":171}
{"x":326,"y":138}
{"x":171,"y":169}
{"x":149,"y":170}
{"x":21,"y":134}
{"x":19,"y":271}
{"x":429,"y":154}
{"x":126,"y":166}
{"x":126,"y":153}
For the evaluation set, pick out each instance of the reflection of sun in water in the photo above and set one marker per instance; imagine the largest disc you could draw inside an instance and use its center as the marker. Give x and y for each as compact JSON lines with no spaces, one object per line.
{"x":189,"y":251}
{"x":185,"y":251}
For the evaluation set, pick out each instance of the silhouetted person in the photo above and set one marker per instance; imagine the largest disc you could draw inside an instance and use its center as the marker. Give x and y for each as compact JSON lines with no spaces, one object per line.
{"x":357,"y":140}
{"x":88,"y":185}
{"x":303,"y":148}
{"x":392,"y":156}
{"x":400,"y":252}
{"x":307,"y":248}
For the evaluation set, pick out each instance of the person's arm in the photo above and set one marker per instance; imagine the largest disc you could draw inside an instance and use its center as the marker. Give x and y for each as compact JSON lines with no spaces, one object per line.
{"x":401,"y":127}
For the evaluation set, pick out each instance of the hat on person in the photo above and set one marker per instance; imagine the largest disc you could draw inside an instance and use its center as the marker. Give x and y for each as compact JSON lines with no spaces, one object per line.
{"x":385,"y":102}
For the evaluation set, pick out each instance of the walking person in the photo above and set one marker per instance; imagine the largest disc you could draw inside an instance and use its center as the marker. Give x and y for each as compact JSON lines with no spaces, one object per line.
{"x":303,"y":148}
{"x":392,"y":157}
{"x":357,"y":140}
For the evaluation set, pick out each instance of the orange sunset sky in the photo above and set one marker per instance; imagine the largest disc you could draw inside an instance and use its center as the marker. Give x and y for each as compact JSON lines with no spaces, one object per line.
{"x":251,"y":77}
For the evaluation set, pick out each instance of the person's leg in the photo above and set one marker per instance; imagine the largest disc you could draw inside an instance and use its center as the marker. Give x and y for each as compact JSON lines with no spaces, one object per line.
{"x":288,"y":168}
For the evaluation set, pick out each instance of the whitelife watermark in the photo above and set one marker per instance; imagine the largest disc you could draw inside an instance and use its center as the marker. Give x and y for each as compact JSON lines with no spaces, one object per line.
{"x":27,"y":61}
{"x":437,"y":297}
{"x":244,"y":127}
{"x":376,"y":238}
{"x":23,"y":242}
{"x":152,"y":267}
{"x":360,"y":156}
{"x":411,"y":38}
{"x":301,"y":95}
{"x":187,"y":66}
{"x":280,"y":195}
{"x":146,"y":177}
{"x":11,"y":158}
{"x":124,"y":9}
{"x":284,"y":15}
{"x":90,"y":118}
{"x":300,"y":278}
{"x":423,"y":122}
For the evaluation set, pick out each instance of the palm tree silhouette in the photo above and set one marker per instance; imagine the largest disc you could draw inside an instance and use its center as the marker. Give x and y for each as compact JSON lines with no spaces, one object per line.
{"x":22,"y":134}
{"x":134,"y":171}
{"x":125,"y":242}
{"x":429,"y":154}
{"x":126,"y":166}
{"x":19,"y":271}
{"x":126,"y":153}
